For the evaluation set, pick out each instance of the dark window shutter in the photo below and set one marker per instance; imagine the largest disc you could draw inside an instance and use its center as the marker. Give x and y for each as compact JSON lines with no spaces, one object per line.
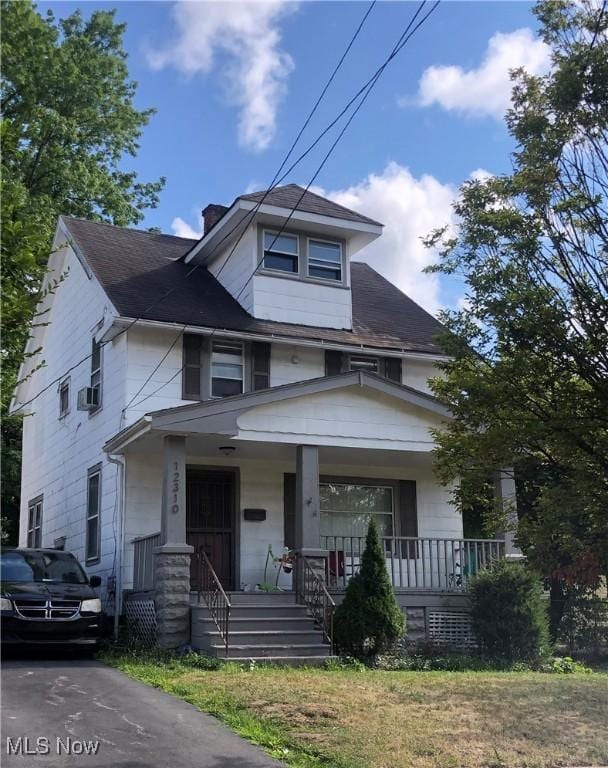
{"x":193,"y":363}
{"x":260,"y":365}
{"x":392,"y":369}
{"x":333,"y":362}
{"x":408,"y":516}
{"x":289,"y":510}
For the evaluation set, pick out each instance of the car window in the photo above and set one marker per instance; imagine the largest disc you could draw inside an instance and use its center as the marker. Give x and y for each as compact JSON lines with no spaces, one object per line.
{"x":14,"y":567}
{"x":56,"y":567}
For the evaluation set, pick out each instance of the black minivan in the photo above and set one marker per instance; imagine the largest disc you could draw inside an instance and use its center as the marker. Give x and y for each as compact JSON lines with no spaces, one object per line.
{"x":46,"y":597}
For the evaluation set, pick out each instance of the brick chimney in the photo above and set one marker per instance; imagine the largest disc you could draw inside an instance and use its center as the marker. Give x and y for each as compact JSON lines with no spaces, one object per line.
{"x":211,"y":215}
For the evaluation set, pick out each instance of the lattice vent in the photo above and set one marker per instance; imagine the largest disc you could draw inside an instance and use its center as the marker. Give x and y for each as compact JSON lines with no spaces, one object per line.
{"x":141,"y":620}
{"x":450,"y":628}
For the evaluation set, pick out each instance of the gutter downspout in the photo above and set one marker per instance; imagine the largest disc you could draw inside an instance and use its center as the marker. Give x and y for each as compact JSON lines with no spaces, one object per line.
{"x":119,"y":460}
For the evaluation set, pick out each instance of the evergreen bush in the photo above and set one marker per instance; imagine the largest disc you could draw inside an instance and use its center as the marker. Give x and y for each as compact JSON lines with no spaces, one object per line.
{"x":369,"y":621}
{"x":509,"y":613}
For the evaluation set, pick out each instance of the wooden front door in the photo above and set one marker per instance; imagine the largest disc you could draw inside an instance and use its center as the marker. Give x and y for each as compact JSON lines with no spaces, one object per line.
{"x":210,"y":520}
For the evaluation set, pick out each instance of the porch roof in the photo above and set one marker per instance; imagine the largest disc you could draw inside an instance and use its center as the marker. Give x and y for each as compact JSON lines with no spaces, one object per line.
{"x":251,"y":416}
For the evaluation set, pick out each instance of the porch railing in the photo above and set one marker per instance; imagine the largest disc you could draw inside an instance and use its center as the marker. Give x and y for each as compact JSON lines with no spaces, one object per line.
{"x":212,"y":592}
{"x":143,"y":562}
{"x":311,"y":591}
{"x":412,"y":562}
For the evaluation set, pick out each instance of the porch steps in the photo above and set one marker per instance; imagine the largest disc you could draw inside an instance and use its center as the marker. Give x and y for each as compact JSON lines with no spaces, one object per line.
{"x":264,"y":627}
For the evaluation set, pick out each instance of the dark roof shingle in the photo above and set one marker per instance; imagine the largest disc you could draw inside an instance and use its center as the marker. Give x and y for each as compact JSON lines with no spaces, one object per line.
{"x":289,"y":195}
{"x":144,"y":277}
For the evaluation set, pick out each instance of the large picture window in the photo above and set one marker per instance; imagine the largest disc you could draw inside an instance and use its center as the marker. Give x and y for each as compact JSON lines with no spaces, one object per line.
{"x":346,"y":508}
{"x":34,"y":523}
{"x":281,"y":252}
{"x":226,"y":368}
{"x":93,"y":533}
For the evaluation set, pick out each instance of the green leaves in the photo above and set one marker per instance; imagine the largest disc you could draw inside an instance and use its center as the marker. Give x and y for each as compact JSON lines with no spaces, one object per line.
{"x":68,"y":124}
{"x":528,"y":383}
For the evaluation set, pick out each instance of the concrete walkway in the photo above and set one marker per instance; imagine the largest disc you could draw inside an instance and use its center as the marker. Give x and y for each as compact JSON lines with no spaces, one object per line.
{"x":69,"y":704}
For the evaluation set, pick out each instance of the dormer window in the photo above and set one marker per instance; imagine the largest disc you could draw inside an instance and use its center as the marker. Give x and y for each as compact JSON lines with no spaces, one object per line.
{"x":281,"y":252}
{"x":325,"y":260}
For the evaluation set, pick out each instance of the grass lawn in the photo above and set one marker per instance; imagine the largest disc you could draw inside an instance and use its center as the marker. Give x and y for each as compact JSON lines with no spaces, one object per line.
{"x":375,"y":719}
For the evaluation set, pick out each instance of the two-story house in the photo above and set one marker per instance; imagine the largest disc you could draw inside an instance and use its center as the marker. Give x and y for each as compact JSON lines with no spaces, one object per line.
{"x":202,"y":401}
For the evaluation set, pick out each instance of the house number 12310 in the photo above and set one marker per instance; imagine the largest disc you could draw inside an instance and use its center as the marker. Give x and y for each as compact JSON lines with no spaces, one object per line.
{"x":175,"y":489}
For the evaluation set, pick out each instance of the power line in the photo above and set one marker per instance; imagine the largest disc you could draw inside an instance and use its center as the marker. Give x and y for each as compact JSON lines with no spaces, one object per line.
{"x":257,"y":207}
{"x":252,"y":213}
{"x":405,"y":36}
{"x":227,"y":235}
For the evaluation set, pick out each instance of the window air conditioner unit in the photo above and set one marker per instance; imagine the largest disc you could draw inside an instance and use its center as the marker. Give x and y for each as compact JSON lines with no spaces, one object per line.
{"x":88,"y":398}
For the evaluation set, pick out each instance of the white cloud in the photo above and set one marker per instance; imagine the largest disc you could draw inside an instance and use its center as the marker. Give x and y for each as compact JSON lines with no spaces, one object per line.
{"x":485,"y":91}
{"x":255,"y":70}
{"x":410,"y":208}
{"x":181,"y":228}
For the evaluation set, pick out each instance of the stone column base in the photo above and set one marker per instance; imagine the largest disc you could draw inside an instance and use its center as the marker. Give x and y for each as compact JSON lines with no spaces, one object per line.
{"x":316,"y":559}
{"x":172,"y":600}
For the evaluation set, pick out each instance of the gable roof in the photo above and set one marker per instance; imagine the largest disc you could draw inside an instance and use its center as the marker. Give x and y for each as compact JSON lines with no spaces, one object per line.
{"x":289,"y":195}
{"x":208,"y":414}
{"x":144,"y":277}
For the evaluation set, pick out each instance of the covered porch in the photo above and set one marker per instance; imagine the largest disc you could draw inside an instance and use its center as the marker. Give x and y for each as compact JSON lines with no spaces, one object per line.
{"x":298,"y":469}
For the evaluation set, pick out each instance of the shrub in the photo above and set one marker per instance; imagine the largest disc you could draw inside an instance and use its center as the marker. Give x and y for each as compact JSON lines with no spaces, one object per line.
{"x":369,"y":621}
{"x":584,"y":624}
{"x":509,"y":614}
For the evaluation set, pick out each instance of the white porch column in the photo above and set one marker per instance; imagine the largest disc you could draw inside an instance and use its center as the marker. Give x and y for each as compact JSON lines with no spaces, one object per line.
{"x":506,"y":501}
{"x":172,"y":558}
{"x":308,"y":513}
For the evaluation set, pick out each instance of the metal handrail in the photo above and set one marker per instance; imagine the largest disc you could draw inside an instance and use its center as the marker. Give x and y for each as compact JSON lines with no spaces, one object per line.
{"x":311,"y":590}
{"x":210,"y":587}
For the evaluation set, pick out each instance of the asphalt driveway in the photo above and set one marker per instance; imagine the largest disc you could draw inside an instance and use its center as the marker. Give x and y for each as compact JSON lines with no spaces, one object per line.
{"x":87,"y":714}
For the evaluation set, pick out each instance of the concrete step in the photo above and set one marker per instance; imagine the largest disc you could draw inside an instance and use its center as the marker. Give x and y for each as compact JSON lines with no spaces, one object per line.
{"x":246,"y":651}
{"x":256,"y":610}
{"x":272,"y":598}
{"x":256,"y":624}
{"x":263,"y":638}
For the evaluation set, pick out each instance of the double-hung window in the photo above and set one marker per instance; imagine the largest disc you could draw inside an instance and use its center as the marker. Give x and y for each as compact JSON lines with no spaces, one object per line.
{"x":34,"y":523}
{"x":226,"y":368}
{"x":64,"y":398}
{"x":96,"y":373}
{"x":93,"y":532}
{"x":281,"y":252}
{"x":325,"y":260}
{"x":364,"y":363}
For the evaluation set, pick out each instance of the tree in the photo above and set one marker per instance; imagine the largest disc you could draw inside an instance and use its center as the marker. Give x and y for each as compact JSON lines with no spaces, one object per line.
{"x":68,"y":122}
{"x":528,"y":379}
{"x":509,"y":614}
{"x":369,"y":621}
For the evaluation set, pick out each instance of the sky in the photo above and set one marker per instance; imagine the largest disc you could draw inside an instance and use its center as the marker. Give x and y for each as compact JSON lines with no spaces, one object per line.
{"x":233,"y":82}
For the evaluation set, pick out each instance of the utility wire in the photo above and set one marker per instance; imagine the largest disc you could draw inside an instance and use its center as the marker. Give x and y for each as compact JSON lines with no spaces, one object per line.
{"x":373,"y":79}
{"x":257,"y":207}
{"x":405,"y":36}
{"x":228,"y":234}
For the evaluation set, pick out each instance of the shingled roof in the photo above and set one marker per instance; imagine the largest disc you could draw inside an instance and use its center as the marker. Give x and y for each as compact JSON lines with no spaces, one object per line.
{"x":289,"y":197}
{"x":137,"y":269}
